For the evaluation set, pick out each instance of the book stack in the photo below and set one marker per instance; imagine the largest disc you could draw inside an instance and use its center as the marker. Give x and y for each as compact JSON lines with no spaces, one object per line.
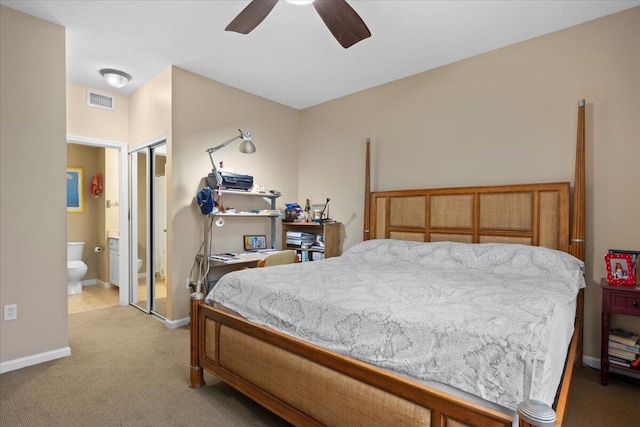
{"x":624,"y":349}
{"x":300,"y":239}
{"x":319,"y":242}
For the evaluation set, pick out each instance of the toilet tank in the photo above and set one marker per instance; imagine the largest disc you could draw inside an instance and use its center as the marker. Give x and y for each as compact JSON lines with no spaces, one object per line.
{"x":74,"y":251}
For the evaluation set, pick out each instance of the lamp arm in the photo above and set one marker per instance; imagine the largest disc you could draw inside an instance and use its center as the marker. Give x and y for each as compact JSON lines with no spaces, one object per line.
{"x":214,"y":149}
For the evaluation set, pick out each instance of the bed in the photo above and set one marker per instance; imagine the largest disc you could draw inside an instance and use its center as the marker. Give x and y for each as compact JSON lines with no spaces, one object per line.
{"x":301,"y":380}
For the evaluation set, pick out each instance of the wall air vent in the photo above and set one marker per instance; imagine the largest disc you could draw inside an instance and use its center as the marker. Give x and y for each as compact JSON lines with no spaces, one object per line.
{"x":95,"y":99}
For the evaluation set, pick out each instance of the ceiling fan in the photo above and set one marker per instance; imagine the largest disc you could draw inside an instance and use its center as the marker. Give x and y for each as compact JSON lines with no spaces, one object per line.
{"x":343,"y":22}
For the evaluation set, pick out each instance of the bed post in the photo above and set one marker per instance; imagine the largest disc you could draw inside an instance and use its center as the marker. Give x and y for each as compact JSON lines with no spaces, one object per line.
{"x":577,"y":238}
{"x":195,"y":376}
{"x":531,"y":412}
{"x":366,"y":235}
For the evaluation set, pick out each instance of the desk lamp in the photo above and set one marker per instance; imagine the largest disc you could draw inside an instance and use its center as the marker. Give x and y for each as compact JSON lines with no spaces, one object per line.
{"x":246,"y":147}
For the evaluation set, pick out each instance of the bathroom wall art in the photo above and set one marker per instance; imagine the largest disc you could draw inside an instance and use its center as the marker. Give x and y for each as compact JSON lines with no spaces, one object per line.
{"x":75,"y":196}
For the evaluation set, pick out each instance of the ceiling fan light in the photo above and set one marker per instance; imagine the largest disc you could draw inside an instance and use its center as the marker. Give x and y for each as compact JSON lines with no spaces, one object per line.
{"x":115,"y":78}
{"x":343,"y":22}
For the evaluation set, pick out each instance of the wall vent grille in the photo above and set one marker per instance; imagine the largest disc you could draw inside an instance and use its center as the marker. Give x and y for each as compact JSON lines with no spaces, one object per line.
{"x":95,"y":99}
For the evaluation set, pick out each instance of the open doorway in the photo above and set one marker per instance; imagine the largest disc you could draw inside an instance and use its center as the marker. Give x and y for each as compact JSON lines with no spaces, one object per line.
{"x":119,"y":202}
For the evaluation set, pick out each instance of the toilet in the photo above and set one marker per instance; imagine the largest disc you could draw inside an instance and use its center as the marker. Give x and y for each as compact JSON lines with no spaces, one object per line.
{"x":76,"y":269}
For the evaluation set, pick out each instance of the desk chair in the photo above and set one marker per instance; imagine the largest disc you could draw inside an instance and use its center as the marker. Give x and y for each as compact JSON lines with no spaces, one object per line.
{"x":284,"y":257}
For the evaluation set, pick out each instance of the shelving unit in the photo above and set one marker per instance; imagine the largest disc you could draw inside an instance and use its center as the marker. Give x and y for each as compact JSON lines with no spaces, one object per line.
{"x":271,"y":199}
{"x":329,"y":230}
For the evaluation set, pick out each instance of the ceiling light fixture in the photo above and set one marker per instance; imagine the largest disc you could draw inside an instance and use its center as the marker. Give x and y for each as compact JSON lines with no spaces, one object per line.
{"x":115,"y":78}
{"x":300,"y":2}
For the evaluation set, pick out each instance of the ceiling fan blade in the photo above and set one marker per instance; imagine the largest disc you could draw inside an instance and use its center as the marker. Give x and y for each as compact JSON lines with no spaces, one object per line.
{"x":343,"y":22}
{"x":251,"y":16}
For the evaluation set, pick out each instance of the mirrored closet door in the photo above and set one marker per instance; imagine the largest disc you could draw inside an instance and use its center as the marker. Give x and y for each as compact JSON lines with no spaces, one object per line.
{"x":148,"y":229}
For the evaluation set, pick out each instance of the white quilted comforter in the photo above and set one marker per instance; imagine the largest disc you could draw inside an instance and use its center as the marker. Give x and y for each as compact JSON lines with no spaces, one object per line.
{"x":477,"y":317}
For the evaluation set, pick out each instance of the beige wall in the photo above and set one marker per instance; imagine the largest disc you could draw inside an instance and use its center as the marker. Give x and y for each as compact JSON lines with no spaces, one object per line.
{"x":33,"y":187}
{"x":150,"y":110}
{"x":89,"y":226}
{"x":205,"y":114}
{"x":94,"y":122}
{"x":508,"y":116}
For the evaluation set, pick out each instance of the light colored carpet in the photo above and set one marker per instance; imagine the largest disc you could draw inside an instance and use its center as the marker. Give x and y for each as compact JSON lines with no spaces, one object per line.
{"x":128,"y":369}
{"x":593,"y":405}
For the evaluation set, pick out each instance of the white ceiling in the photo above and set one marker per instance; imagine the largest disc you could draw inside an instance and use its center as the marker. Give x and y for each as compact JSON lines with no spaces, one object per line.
{"x":292,"y":58}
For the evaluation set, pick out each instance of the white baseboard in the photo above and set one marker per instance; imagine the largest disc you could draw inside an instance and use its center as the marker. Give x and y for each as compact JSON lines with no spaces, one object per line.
{"x":591,"y":361}
{"x":173,"y":324}
{"x":23,"y":362}
{"x":595,"y":363}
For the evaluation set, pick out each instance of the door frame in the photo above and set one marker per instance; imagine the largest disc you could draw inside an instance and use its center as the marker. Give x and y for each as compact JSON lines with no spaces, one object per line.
{"x":123,"y":214}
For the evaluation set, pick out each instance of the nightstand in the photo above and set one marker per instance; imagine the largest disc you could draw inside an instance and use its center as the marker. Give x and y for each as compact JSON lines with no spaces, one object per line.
{"x":618,"y":299}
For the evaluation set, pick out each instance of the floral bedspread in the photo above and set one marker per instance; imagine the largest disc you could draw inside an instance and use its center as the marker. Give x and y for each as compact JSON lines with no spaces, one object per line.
{"x":474,"y":316}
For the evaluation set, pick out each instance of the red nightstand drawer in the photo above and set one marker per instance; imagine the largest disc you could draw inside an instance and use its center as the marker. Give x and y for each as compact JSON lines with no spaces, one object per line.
{"x":624,"y":303}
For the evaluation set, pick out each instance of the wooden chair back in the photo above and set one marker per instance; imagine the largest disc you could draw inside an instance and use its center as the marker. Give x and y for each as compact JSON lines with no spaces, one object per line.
{"x":283,"y":257}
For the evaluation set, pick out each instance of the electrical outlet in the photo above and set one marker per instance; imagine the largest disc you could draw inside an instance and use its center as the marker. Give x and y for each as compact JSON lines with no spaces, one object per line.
{"x":11,"y":312}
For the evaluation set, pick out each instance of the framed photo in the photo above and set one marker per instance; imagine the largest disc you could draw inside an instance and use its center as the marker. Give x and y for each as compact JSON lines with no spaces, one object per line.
{"x":255,"y":242}
{"x":316,"y":211}
{"x":619,"y":269}
{"x":634,"y":260}
{"x":75,"y":196}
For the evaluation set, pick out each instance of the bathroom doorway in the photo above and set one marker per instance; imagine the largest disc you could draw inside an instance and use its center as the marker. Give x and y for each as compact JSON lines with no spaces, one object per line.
{"x":148,"y":228}
{"x":115,"y":218}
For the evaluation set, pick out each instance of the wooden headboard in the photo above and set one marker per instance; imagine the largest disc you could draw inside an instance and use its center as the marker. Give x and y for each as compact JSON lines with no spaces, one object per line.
{"x":534,"y":214}
{"x":531,"y":214}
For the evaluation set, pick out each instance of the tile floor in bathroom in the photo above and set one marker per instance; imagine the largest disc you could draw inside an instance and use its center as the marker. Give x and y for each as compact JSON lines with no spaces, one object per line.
{"x":95,"y":297}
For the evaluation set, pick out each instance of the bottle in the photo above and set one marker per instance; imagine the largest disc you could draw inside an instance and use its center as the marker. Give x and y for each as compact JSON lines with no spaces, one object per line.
{"x":307,"y":207}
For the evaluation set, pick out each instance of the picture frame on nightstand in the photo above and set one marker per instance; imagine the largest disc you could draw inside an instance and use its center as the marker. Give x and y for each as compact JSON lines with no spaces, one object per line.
{"x":619,"y":269}
{"x":635,"y":255}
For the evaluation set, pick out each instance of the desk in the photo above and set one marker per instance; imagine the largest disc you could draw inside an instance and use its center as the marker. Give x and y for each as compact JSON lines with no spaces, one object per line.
{"x":615,"y":299}
{"x":217,"y":268}
{"x":240,"y":258}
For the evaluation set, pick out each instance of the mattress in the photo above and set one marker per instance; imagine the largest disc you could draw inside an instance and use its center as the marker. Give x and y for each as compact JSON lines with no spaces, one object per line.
{"x":489,"y":320}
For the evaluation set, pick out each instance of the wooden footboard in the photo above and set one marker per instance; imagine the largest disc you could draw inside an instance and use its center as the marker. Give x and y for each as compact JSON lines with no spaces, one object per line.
{"x":308,"y":385}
